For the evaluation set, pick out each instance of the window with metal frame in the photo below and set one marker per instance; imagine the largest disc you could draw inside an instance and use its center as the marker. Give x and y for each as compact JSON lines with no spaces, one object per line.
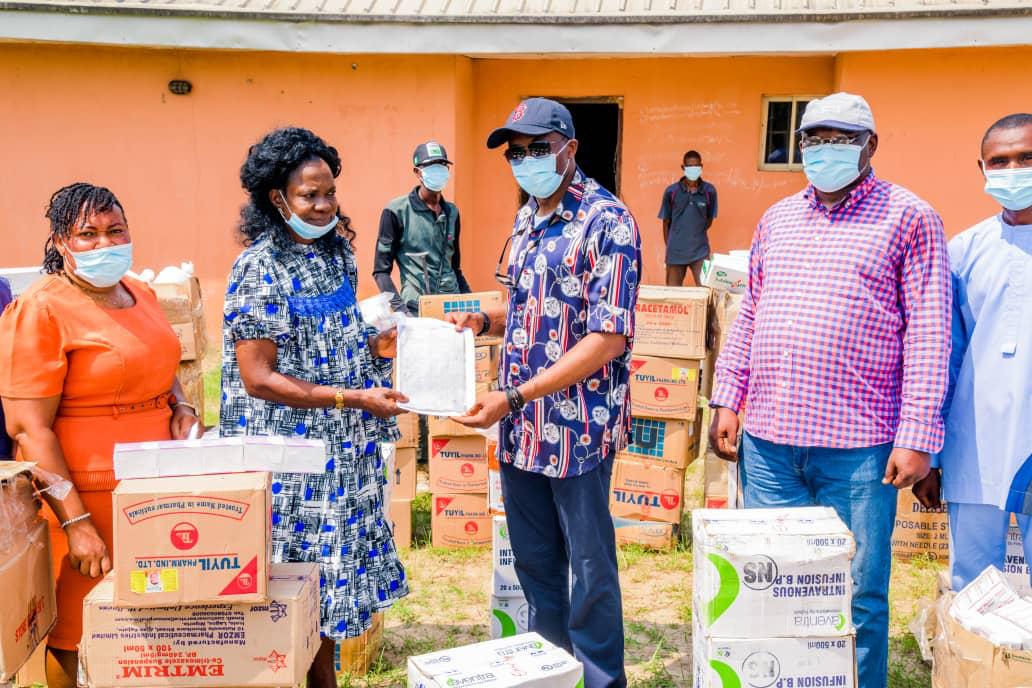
{"x":779,"y":144}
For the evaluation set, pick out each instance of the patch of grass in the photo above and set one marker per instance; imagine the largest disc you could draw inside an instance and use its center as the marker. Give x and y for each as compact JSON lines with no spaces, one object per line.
{"x":654,"y":673}
{"x":212,"y":394}
{"x":421,"y":506}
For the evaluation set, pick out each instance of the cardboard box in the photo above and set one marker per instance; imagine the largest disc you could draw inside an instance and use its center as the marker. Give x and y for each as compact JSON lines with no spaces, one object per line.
{"x":440,"y":305}
{"x":772,"y":572}
{"x":671,"y":321}
{"x":726,"y":273}
{"x":505,"y":583}
{"x":191,"y":341}
{"x":191,"y":378}
{"x":661,"y":442}
{"x":486,"y":361}
{"x":715,"y":481}
{"x":510,"y":616}
{"x":770,"y":662}
{"x":408,"y":425}
{"x":962,"y":659}
{"x":521,"y":661}
{"x":34,"y":671}
{"x":217,"y":455}
{"x":664,"y":387}
{"x":920,"y":532}
{"x":28,"y":608}
{"x":243,"y":644}
{"x":458,"y":465}
{"x":179,"y":301}
{"x":403,"y":475}
{"x":1015,"y":567}
{"x":460,"y":520}
{"x":648,"y":534}
{"x":400,"y":512}
{"x":184,"y":540}
{"x":646,"y":492}
{"x":354,"y":656}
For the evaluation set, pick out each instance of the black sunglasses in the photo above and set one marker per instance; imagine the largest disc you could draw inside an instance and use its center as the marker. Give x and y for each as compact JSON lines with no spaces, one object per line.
{"x":536,"y":149}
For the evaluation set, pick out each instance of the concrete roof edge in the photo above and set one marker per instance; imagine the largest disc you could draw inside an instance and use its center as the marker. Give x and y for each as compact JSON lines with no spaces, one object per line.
{"x":830,"y":17}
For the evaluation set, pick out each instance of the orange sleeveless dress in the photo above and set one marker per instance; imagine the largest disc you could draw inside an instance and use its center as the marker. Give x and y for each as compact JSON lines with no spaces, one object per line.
{"x":102,"y":362}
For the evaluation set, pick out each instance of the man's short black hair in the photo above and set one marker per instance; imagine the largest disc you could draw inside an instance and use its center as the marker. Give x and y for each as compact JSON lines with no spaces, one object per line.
{"x":1015,"y":121}
{"x":692,"y":154}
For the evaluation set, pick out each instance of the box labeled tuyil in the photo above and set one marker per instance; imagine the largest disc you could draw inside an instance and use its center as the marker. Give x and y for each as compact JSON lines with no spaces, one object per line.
{"x":192,"y":539}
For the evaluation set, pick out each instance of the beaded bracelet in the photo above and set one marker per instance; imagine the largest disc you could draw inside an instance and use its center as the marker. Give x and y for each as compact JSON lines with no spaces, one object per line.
{"x":70,"y":521}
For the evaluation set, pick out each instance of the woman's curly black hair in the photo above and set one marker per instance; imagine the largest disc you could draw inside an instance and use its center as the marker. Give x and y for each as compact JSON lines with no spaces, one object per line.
{"x":269,"y":163}
{"x":67,"y":205}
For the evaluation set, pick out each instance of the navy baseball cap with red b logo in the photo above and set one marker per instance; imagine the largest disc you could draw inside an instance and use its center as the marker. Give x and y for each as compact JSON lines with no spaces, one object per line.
{"x":534,"y":117}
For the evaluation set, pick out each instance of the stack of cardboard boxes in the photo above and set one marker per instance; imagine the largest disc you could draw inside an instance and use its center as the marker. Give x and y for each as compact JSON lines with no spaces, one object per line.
{"x":184,"y":309}
{"x":28,"y":609}
{"x":725,"y":306}
{"x":400,"y":468}
{"x":771,"y":598}
{"x":193,"y":599}
{"x":919,"y":531}
{"x":648,"y":478}
{"x":458,"y":455}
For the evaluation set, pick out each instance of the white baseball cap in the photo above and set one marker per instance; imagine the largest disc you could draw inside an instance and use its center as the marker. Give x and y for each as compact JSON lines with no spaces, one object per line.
{"x":843,"y":111}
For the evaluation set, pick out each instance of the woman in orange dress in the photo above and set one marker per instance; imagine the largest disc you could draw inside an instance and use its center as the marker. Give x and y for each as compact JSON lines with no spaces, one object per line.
{"x":92,"y":362}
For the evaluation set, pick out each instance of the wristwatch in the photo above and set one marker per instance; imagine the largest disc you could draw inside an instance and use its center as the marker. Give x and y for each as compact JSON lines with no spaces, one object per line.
{"x":338,"y":400}
{"x":516,"y":400}
{"x":487,"y":324}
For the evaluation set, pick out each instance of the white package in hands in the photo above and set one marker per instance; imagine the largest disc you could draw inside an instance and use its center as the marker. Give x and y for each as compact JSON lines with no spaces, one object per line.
{"x":435,"y":367}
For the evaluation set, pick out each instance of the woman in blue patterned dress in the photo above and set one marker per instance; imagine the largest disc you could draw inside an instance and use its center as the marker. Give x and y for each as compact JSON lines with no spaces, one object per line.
{"x":298,"y":360}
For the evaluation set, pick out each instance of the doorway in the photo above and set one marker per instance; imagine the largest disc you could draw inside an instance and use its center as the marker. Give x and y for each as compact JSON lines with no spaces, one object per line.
{"x":598,"y":123}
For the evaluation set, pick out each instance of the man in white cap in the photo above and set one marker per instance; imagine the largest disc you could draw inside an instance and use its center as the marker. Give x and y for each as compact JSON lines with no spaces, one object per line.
{"x":840,"y":353}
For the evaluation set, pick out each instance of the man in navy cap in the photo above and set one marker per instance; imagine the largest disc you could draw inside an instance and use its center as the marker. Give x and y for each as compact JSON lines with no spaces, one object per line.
{"x":420,"y":231}
{"x":563,"y":406}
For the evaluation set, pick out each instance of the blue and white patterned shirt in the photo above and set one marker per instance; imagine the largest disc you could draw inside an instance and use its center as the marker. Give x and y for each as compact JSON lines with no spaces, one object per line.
{"x":575,"y":274}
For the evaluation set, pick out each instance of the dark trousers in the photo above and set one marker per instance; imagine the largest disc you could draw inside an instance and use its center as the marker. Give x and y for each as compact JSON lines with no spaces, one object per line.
{"x":565,"y":550}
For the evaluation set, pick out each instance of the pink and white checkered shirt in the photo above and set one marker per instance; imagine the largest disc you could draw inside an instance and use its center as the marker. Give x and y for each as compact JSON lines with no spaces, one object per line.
{"x":843,"y":337}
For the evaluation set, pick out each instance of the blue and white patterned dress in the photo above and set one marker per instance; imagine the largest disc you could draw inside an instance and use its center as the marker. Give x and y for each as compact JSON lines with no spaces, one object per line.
{"x":303,"y":298}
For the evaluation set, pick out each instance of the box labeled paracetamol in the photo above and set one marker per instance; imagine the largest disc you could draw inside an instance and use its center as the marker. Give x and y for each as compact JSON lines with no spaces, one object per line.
{"x":268,"y":643}
{"x":772,"y":572}
{"x":527,"y":661}
{"x":774,"y":662}
{"x":192,"y":539}
{"x":505,"y":582}
{"x":460,"y":520}
{"x":509,"y":616}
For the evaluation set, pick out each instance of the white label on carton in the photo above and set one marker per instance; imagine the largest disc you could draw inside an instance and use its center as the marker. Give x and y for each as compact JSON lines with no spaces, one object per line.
{"x":774,"y":662}
{"x":772,"y":572}
{"x":506,"y":584}
{"x":524,"y":660}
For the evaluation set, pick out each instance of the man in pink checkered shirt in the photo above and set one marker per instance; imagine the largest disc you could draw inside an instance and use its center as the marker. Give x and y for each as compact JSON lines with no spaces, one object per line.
{"x":840,"y":353}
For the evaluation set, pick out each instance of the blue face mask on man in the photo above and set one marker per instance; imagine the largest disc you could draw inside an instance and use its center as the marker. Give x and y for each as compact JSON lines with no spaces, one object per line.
{"x":435,"y":177}
{"x":304,"y":229}
{"x":832,"y":167}
{"x":1012,"y":188}
{"x":692,"y":172}
{"x":537,"y":176}
{"x":104,"y":267}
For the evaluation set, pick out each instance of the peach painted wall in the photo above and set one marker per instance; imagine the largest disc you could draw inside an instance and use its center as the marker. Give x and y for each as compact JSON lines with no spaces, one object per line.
{"x":669,"y":106}
{"x":932,"y":109}
{"x":105,"y":115}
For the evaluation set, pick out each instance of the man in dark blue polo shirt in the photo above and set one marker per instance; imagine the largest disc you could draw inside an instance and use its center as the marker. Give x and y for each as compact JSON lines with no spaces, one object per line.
{"x":563,"y":407}
{"x":688,"y":209}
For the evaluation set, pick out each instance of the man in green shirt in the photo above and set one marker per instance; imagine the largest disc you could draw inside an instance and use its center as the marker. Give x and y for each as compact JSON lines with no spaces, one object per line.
{"x":420,"y":231}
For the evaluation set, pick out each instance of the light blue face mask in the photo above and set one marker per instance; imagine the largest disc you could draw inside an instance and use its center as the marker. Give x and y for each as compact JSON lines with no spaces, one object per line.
{"x":832,"y":166}
{"x":1012,"y":188}
{"x":537,"y":176}
{"x":435,"y":177}
{"x":305,"y":230}
{"x":104,"y":267}
{"x":692,"y":172}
